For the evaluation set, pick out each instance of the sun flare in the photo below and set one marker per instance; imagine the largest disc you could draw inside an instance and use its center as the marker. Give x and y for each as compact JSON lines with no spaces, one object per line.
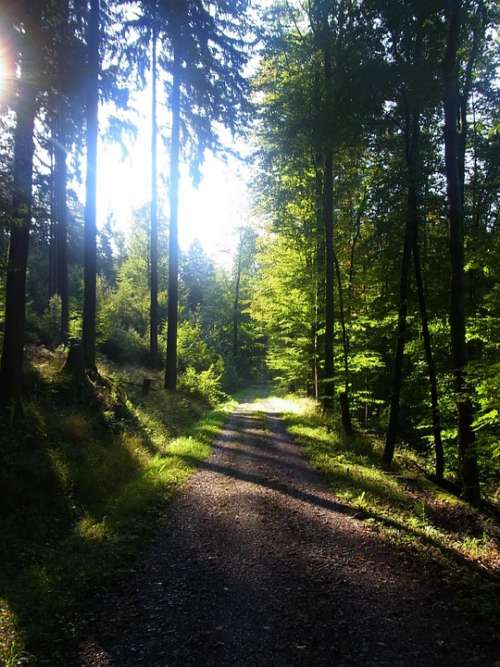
{"x":4,"y":74}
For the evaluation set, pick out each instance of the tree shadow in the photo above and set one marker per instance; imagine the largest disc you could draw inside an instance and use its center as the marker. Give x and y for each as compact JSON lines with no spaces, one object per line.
{"x":214,"y":591}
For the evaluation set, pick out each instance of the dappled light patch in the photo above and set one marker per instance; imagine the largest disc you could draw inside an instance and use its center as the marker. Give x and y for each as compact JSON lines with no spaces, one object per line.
{"x":403,"y":504}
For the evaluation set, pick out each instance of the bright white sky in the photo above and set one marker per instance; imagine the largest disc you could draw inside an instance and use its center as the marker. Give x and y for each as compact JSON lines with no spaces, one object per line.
{"x":210,"y":213}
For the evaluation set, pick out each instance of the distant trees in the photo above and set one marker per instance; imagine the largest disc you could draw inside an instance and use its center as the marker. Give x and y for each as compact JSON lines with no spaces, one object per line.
{"x":211,"y":81}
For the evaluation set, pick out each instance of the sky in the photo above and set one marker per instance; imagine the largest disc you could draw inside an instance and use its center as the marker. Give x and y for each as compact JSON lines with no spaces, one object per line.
{"x":210,"y":212}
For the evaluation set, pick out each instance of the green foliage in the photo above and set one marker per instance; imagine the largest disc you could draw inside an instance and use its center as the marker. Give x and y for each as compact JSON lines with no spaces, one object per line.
{"x":205,"y":385}
{"x":45,"y":329}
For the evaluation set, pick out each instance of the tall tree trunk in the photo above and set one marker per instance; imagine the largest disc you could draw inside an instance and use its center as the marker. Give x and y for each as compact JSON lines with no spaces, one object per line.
{"x":344,"y":397}
{"x":61,"y":216}
{"x":466,"y":439}
{"x":412,"y":131}
{"x":236,"y":304}
{"x":90,"y":230}
{"x":52,"y":224}
{"x":153,"y":313}
{"x":58,"y":269}
{"x":355,"y":239}
{"x":173,"y":242}
{"x":15,"y":298}
{"x":61,"y":174}
{"x":431,"y":367}
{"x":397,"y":367}
{"x":328,"y":380}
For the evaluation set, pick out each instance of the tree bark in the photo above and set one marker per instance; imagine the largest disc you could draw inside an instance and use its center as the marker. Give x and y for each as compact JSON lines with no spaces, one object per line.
{"x":90,"y":229}
{"x":431,"y":367}
{"x":236,"y":304}
{"x":173,"y":243}
{"x":344,"y":398}
{"x":468,"y":469}
{"x":397,"y":367}
{"x":15,"y":298}
{"x":61,"y":228}
{"x":328,"y":379}
{"x":153,"y":313}
{"x":412,"y":133}
{"x":60,"y":209}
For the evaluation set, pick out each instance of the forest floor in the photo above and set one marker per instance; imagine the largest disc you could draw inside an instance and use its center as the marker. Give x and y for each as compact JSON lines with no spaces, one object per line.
{"x":258,"y":561}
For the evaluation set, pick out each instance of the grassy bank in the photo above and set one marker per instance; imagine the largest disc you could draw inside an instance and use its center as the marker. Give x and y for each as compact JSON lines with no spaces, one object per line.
{"x":402,"y":504}
{"x":82,"y":481}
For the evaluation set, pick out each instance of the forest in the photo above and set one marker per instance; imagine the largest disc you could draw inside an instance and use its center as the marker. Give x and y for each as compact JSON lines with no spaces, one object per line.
{"x":360,"y":307}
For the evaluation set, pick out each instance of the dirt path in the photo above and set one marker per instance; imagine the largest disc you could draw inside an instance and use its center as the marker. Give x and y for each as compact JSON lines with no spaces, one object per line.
{"x":256,"y":564}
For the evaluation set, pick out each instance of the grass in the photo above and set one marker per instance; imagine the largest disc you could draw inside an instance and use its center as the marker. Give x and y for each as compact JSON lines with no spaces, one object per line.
{"x":81,"y":487}
{"x":402,"y":504}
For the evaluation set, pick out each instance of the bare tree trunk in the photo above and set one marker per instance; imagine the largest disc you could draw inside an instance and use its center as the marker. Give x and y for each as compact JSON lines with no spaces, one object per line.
{"x":431,"y":367}
{"x":173,"y":243}
{"x":153,"y":313}
{"x":58,"y":265}
{"x":52,"y":287}
{"x":397,"y":367}
{"x":90,"y":230}
{"x":344,"y":398}
{"x":328,"y":380}
{"x":236,"y":305}
{"x":468,"y":469}
{"x":355,"y":239}
{"x":11,"y":368}
{"x":61,"y":230}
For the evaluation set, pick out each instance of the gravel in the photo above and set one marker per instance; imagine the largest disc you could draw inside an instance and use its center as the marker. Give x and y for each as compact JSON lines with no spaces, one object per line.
{"x":255,"y":563}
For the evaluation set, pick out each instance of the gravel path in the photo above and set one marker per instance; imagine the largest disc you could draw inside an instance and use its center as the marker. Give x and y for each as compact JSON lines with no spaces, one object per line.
{"x":256,"y":564}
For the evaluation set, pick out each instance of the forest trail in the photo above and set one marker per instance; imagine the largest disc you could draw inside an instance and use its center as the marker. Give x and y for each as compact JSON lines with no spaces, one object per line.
{"x":255,"y":563}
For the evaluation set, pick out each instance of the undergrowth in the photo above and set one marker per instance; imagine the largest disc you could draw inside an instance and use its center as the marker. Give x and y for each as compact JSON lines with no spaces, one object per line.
{"x":82,"y":481}
{"x":401,"y":503}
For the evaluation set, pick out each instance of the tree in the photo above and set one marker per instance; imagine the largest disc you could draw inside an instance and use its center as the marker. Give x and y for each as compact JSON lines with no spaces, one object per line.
{"x":467,"y":456}
{"x":60,"y":143}
{"x":15,"y":300}
{"x":153,"y":316}
{"x":90,"y":234}
{"x":211,"y":81}
{"x":173,"y":242}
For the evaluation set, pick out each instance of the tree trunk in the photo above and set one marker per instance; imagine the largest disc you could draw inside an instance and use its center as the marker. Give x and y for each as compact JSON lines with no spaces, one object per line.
{"x":344,"y":398}
{"x":61,"y":217}
{"x":397,"y":367}
{"x":153,"y":313}
{"x":429,"y":357}
{"x":468,"y":469}
{"x":15,"y":297}
{"x":173,"y":243}
{"x":355,"y":239}
{"x":58,"y":240}
{"x":52,"y":287}
{"x":236,"y":305}
{"x":328,"y":380}
{"x":90,"y":230}
{"x":412,"y":132}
